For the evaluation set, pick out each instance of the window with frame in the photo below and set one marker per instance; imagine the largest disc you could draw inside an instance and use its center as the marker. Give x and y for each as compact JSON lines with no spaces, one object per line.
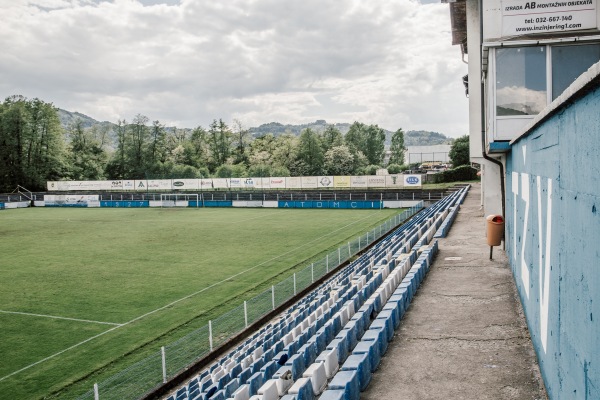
{"x":569,"y":62}
{"x":528,"y":78}
{"x":520,"y":81}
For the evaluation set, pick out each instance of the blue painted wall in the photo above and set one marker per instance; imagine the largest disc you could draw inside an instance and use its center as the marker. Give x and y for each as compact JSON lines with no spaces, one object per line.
{"x":124,"y":203}
{"x":341,"y":204}
{"x":211,"y":203}
{"x":553,"y":244}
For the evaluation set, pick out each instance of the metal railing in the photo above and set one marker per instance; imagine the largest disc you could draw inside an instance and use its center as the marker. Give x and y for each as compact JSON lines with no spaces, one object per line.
{"x":165,"y":363}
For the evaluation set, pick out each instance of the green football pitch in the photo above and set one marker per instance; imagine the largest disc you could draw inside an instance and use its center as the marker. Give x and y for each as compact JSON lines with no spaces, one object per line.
{"x":85,"y":292}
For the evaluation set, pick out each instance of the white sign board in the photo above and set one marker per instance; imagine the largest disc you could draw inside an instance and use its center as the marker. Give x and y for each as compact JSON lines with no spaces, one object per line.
{"x":293,"y":182}
{"x":412,"y":180}
{"x":543,"y":16}
{"x":308,"y":182}
{"x":277,"y":183}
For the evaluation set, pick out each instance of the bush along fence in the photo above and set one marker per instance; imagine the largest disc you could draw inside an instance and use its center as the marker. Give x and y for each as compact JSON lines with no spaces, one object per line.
{"x":458,"y":174}
{"x":151,"y":372}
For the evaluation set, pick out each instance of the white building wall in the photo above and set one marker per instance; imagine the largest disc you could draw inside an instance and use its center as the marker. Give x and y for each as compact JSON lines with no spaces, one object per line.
{"x":490,"y":179}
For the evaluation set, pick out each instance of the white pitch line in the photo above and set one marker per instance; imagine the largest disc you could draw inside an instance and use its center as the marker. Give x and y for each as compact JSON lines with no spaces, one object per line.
{"x":170,"y":304}
{"x":57,"y":317}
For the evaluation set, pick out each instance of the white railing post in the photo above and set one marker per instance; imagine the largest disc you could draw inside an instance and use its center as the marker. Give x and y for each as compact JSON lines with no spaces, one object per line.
{"x":96,"y":394}
{"x":312,"y":272}
{"x":164,"y":363}
{"x":339,"y":255}
{"x":273,"y":296}
{"x":327,"y":263}
{"x":359,"y":243}
{"x":294,"y":283}
{"x":246,"y":313}
{"x":210,"y":338}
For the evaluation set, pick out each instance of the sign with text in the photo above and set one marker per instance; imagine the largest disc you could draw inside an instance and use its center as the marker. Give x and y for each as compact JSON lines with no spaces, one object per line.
{"x":412,"y":180}
{"x":543,"y":16}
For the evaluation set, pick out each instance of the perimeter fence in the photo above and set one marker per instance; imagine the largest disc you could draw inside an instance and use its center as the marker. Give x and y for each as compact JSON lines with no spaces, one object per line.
{"x":165,"y":363}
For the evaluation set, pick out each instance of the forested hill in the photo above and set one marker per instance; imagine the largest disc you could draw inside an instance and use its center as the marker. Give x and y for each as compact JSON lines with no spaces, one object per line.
{"x":42,"y":143}
{"x":411,"y":138}
{"x":67,"y":118}
{"x":425,"y":138}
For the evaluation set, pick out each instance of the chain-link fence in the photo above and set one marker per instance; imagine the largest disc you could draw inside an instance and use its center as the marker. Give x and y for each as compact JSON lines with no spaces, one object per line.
{"x":156,"y":369}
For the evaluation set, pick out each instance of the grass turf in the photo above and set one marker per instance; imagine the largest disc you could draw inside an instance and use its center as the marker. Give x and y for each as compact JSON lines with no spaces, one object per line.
{"x":103,"y":269}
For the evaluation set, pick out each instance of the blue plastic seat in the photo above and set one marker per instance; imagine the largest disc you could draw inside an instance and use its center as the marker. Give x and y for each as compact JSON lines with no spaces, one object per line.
{"x":348,"y":382}
{"x":361,"y":364}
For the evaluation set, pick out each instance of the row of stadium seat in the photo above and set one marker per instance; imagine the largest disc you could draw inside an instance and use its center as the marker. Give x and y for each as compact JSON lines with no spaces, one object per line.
{"x":328,"y":344}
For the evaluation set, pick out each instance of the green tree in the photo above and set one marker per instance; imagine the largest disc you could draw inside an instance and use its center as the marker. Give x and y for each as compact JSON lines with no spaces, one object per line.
{"x":368,"y":140}
{"x":397,"y":148}
{"x":310,"y":153}
{"x":32,"y":148}
{"x":339,"y":161}
{"x":117,"y":167}
{"x":224,"y":171}
{"x":285,"y":151}
{"x":394,"y":168}
{"x":219,"y":142}
{"x":241,"y":140}
{"x":159,"y":147}
{"x":459,"y":152}
{"x":259,"y":171}
{"x":86,"y":155}
{"x":195,"y":149}
{"x":331,"y":137}
{"x":280,"y":171}
{"x":138,"y":146}
{"x":370,"y":169}
{"x":261,"y":149}
{"x":356,"y":138}
{"x":374,"y":145}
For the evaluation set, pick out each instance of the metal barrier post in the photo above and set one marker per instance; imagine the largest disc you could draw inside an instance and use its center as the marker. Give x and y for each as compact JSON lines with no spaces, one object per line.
{"x":294,"y":283}
{"x":246,"y":313}
{"x":312,"y":272}
{"x":210,"y":338}
{"x":164,"y":364}
{"x":96,"y":394}
{"x":273,"y":296}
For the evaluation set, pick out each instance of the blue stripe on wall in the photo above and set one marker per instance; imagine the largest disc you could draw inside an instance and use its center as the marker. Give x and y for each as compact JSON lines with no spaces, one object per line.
{"x":125,"y":203}
{"x":331,"y":204}
{"x":211,"y":203}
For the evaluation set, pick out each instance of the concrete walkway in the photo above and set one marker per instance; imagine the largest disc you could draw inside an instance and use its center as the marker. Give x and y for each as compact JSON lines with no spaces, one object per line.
{"x":464,"y":335}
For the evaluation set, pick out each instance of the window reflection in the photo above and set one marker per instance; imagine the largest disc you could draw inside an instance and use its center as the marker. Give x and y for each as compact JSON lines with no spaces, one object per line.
{"x":520,"y":81}
{"x":568,"y":62}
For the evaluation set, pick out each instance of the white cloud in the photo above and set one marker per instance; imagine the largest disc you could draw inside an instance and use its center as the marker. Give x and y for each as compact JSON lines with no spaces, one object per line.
{"x":189,"y":62}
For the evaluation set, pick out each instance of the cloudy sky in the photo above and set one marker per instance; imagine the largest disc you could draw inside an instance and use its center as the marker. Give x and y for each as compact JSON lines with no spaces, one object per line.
{"x":187,"y":62}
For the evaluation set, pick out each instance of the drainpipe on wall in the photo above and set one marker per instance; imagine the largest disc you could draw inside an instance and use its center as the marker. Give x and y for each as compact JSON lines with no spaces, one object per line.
{"x":483,"y":138}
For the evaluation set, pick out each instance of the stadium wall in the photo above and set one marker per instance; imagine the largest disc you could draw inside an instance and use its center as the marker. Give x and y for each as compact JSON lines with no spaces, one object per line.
{"x":297,"y":182}
{"x":552,"y":234}
{"x":93,"y":201}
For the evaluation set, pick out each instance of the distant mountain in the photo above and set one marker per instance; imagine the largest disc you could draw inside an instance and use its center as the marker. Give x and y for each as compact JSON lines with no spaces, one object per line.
{"x":425,"y":138}
{"x":68,"y":117}
{"x":276,"y":129}
{"x":411,"y":138}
